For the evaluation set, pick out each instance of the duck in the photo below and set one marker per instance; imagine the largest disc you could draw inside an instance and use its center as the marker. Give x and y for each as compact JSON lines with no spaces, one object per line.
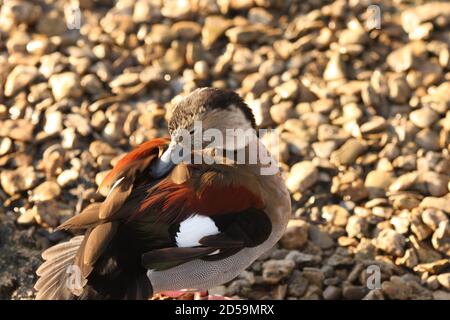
{"x":182,"y":214}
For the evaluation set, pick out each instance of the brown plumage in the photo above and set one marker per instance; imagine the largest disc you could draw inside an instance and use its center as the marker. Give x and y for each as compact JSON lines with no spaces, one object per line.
{"x":171,"y":232}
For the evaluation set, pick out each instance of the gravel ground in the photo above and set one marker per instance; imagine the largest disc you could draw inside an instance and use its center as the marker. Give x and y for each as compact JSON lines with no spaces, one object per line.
{"x":362,"y":114}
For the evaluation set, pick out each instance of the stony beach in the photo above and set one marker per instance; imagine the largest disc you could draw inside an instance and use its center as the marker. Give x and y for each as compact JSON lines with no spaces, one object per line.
{"x":361,"y":110}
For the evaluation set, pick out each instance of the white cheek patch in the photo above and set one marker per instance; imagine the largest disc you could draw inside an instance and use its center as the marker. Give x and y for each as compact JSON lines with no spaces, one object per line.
{"x":193,"y":229}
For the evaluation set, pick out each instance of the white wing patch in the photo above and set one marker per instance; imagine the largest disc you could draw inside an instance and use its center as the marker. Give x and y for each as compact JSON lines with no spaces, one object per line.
{"x":115,"y":185}
{"x":193,"y":229}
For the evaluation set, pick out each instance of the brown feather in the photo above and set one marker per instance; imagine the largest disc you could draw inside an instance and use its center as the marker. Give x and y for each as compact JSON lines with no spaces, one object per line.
{"x":174,"y":254}
{"x":86,"y":219}
{"x":211,"y":190}
{"x":115,"y":199}
{"x":220,"y":241}
{"x":134,"y":162}
{"x":97,"y":242}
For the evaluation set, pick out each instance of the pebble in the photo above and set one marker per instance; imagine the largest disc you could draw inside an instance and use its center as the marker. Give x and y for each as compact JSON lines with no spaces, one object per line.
{"x":436,"y":203}
{"x":65,"y":85}
{"x":320,"y":238}
{"x":357,"y":227}
{"x":18,"y":180}
{"x":297,"y":284}
{"x":396,"y":289}
{"x":332,"y":293}
{"x":302,"y":176}
{"x":335,"y":69}
{"x":276,"y":270}
{"x":348,"y":152}
{"x":441,"y":238}
{"x":47,"y":190}
{"x":423,"y":117}
{"x":444,"y":280}
{"x":296,"y":234}
{"x":377,"y":182}
{"x":67,"y":177}
{"x":19,"y":78}
{"x":391,"y":242}
{"x":335,"y":214}
{"x":213,"y":29}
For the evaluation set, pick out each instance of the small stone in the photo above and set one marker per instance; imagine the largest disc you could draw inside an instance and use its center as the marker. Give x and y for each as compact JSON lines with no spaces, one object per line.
{"x":296,"y":234}
{"x":80,"y":123}
{"x":396,"y":289}
{"x":282,"y":111}
{"x":48,"y":190}
{"x":409,"y":260}
{"x":67,"y":177}
{"x":391,"y":242}
{"x":97,"y":148}
{"x":19,"y":180}
{"x":176,"y":9}
{"x":271,"y":67}
{"x":432,"y":218}
{"x":417,"y":15}
{"x":297,"y":284}
{"x":302,"y":176}
{"x":348,"y":152}
{"x":375,"y":124}
{"x":187,"y":30}
{"x":401,"y":224}
{"x":377,"y":182}
{"x":20,"y":129}
{"x":314,"y":276}
{"x":441,"y":295}
{"x":301,"y":258}
{"x":254,"y":83}
{"x":20,"y":77}
{"x":444,"y":280}
{"x":423,"y":117}
{"x":69,"y":138}
{"x":351,"y":292}
{"x":65,"y":85}
{"x":338,"y":260}
{"x":28,"y":217}
{"x":335,"y":214}
{"x":433,"y":267}
{"x":6,"y":146}
{"x":436,"y":203}
{"x":357,"y":227}
{"x":213,"y":29}
{"x":276,"y":270}
{"x":48,"y":213}
{"x":324,"y":149}
{"x":437,"y":184}
{"x":243,"y":34}
{"x":441,"y":238}
{"x":53,"y":122}
{"x":428,"y":139}
{"x":430,"y":73}
{"x":404,"y":182}
{"x":320,"y":238}
{"x":335,"y":69}
{"x":401,"y":59}
{"x":52,"y":23}
{"x":399,"y":91}
{"x":332,"y":293}
{"x":288,"y":90}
